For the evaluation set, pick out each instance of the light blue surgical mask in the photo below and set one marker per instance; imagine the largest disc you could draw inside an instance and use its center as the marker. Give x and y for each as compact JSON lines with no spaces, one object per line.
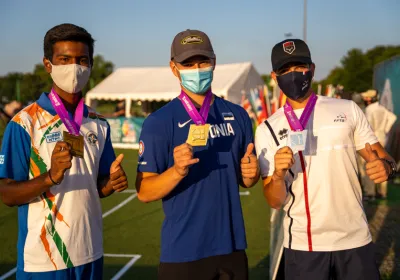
{"x":197,"y":80}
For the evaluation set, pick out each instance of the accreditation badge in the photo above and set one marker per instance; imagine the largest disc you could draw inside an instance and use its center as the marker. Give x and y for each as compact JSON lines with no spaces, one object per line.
{"x":198,"y":135}
{"x":76,"y":142}
{"x":297,"y":140}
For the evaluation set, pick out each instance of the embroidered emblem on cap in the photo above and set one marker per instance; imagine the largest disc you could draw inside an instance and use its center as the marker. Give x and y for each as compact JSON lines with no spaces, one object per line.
{"x":192,"y":39}
{"x":289,"y":47}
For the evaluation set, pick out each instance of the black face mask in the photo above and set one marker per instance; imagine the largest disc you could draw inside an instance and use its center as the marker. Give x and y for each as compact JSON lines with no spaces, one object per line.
{"x":295,"y":85}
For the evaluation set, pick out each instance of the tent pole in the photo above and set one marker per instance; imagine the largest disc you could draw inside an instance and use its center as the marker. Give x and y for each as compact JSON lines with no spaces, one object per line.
{"x":128,"y":103}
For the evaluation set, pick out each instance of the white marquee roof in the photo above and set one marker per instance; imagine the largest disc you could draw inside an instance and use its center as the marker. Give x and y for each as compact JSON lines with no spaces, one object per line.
{"x":159,"y":83}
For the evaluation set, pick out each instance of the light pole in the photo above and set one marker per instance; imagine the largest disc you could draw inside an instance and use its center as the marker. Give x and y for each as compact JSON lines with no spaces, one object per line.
{"x":305,"y":22}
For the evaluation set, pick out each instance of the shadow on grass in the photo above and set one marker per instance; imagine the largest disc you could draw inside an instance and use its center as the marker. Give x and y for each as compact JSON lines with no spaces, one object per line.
{"x":261,"y":270}
{"x":136,"y":272}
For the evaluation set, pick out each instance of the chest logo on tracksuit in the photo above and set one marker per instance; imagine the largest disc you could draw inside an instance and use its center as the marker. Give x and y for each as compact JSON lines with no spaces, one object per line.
{"x":221,"y":130}
{"x":54,"y":137}
{"x":216,"y":130}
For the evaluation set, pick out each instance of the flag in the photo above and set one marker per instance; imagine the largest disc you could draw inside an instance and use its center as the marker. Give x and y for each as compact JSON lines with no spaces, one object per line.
{"x":267,"y":101}
{"x":247,"y":106}
{"x":263,"y":103}
{"x":329,"y":90}
{"x":274,"y":105}
{"x":257,"y":105}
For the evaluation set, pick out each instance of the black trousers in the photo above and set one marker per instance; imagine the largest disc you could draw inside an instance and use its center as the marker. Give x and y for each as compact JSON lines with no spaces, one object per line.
{"x":354,"y":264}
{"x":233,"y":266}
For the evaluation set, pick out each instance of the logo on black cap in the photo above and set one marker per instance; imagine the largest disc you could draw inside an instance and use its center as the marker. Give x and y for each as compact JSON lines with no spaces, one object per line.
{"x":289,"y":47}
{"x":289,"y":51}
{"x":192,"y":39}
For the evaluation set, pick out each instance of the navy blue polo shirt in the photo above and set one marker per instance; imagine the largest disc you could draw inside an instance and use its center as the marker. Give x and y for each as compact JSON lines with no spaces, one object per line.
{"x":203,"y":214}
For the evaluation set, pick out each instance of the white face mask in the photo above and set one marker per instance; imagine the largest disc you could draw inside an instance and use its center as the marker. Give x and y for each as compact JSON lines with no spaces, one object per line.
{"x":71,"y":78}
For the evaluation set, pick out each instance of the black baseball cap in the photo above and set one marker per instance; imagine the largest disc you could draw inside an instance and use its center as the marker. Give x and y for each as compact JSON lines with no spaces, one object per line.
{"x":190,"y":43}
{"x":290,"y":50}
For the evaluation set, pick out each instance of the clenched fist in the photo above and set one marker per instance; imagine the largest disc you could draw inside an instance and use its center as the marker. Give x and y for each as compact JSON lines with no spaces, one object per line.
{"x":284,"y":160}
{"x":60,"y":161}
{"x":183,"y":159}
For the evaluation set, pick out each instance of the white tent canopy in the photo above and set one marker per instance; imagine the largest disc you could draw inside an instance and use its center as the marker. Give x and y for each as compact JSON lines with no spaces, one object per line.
{"x":159,"y":84}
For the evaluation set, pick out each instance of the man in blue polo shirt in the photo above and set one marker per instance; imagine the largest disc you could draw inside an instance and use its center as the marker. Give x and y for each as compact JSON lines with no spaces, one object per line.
{"x":194,"y":153}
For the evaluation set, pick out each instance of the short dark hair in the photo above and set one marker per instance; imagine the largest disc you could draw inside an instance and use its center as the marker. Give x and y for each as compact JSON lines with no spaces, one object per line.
{"x":67,"y":32}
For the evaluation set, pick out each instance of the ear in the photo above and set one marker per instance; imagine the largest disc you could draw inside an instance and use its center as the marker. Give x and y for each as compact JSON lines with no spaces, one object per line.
{"x":174,"y":69}
{"x":273,"y":76}
{"x":312,"y":68}
{"x":214,"y":63}
{"x":47,"y":65}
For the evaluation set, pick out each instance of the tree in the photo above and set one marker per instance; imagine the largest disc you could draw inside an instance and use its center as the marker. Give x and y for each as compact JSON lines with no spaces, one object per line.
{"x":381,"y":53}
{"x":336,"y":76}
{"x":33,"y":84}
{"x":356,"y":70}
{"x":100,"y":70}
{"x":267,"y":78}
{"x":314,"y":86}
{"x":8,"y":85}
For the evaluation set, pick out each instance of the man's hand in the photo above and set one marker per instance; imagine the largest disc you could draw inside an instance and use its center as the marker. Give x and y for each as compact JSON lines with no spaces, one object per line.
{"x":183,"y":159}
{"x":60,"y":161}
{"x":118,"y":180}
{"x":377,"y":169}
{"x":284,"y":160}
{"x":249,"y":163}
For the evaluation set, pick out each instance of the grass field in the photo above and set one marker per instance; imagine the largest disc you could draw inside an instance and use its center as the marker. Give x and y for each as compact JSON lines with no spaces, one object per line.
{"x":134,"y":229}
{"x":132,"y":232}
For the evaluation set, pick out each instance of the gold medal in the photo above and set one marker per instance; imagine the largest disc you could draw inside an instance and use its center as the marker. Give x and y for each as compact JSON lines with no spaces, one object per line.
{"x":198,"y":135}
{"x":76,"y":143}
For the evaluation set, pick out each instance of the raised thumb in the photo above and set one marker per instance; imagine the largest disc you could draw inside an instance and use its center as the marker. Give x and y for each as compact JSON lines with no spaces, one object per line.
{"x":116,"y":164}
{"x":249,"y":150}
{"x":372,"y":155}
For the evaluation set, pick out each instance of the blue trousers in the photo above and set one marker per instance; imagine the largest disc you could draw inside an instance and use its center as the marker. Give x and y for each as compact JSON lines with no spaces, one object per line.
{"x":89,"y":271}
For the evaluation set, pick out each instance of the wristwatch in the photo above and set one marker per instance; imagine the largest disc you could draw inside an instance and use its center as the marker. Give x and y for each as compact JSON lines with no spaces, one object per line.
{"x":393,"y":168}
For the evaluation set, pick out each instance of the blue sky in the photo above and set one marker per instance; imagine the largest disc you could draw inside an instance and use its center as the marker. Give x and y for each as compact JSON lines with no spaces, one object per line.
{"x":139,"y":32}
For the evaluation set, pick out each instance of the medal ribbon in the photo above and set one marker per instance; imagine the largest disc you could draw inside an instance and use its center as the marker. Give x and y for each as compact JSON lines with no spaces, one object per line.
{"x":294,"y":122}
{"x":198,"y":118}
{"x":73,"y":125}
{"x":299,"y":125}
